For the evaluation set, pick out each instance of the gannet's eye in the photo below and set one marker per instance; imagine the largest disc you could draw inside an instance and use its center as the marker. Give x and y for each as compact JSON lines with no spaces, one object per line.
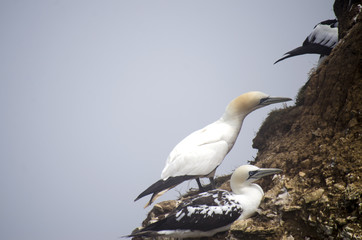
{"x":252,"y":173}
{"x":263,"y":100}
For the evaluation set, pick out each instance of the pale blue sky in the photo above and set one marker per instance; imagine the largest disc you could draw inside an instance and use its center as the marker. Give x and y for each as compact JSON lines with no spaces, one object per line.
{"x":95,"y":94}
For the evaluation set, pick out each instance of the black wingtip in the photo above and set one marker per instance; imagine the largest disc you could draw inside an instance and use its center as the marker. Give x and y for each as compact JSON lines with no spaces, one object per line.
{"x":154,"y":188}
{"x":281,"y":59}
{"x":307,"y":49}
{"x":162,"y":185}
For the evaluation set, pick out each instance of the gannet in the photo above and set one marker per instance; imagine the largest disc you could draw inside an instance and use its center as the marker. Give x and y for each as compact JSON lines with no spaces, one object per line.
{"x":214,"y":211}
{"x":321,"y":40}
{"x":200,"y":153}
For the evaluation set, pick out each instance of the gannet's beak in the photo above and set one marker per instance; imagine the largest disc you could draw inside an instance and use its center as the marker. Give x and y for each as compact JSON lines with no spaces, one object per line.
{"x":271,"y":100}
{"x":262,"y":172}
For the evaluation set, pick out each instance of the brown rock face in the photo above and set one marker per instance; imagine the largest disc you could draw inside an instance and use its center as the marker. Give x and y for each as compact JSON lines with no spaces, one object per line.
{"x":318,"y":144}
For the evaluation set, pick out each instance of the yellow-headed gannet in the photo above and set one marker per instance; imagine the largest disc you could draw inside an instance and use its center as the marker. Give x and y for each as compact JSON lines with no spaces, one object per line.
{"x":200,"y":153}
{"x":321,"y":40}
{"x":214,"y":211}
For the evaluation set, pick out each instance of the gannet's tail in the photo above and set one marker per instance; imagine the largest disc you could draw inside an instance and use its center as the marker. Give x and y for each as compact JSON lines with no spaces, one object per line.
{"x":162,"y":186}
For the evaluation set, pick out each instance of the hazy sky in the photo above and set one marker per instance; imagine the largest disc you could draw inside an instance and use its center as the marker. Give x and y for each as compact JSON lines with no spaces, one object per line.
{"x":95,"y":94}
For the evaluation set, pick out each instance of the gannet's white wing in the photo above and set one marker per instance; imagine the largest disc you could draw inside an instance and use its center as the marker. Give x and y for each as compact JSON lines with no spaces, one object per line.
{"x":324,"y":34}
{"x":199,"y":153}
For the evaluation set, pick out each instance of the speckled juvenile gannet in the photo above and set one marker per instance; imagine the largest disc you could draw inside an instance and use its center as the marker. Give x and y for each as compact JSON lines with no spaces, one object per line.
{"x":214,"y":211}
{"x":200,"y":153}
{"x":321,"y":40}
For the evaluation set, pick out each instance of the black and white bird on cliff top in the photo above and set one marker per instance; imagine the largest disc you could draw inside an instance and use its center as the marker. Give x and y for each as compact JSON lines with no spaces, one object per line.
{"x":211,"y":212}
{"x":321,"y":41}
{"x":200,"y":153}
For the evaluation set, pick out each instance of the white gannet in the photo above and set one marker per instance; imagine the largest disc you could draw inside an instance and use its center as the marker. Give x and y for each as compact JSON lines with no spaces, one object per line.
{"x":214,"y":211}
{"x":321,"y":40}
{"x":200,"y":153}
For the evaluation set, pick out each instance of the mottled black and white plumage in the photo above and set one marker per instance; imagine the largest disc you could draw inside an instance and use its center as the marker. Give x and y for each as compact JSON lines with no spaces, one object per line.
{"x":321,"y":40}
{"x":214,"y":211}
{"x":205,"y":215}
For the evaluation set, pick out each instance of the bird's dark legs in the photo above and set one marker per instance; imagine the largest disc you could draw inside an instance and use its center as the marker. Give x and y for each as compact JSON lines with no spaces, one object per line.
{"x":199,"y":184}
{"x":207,"y":187}
{"x":212,"y":182}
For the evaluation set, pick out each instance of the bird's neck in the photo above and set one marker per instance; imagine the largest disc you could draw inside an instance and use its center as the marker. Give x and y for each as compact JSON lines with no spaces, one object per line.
{"x":236,"y":111}
{"x":232,"y":126}
{"x":233,"y":118}
{"x":249,"y":197}
{"x":251,"y":189}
